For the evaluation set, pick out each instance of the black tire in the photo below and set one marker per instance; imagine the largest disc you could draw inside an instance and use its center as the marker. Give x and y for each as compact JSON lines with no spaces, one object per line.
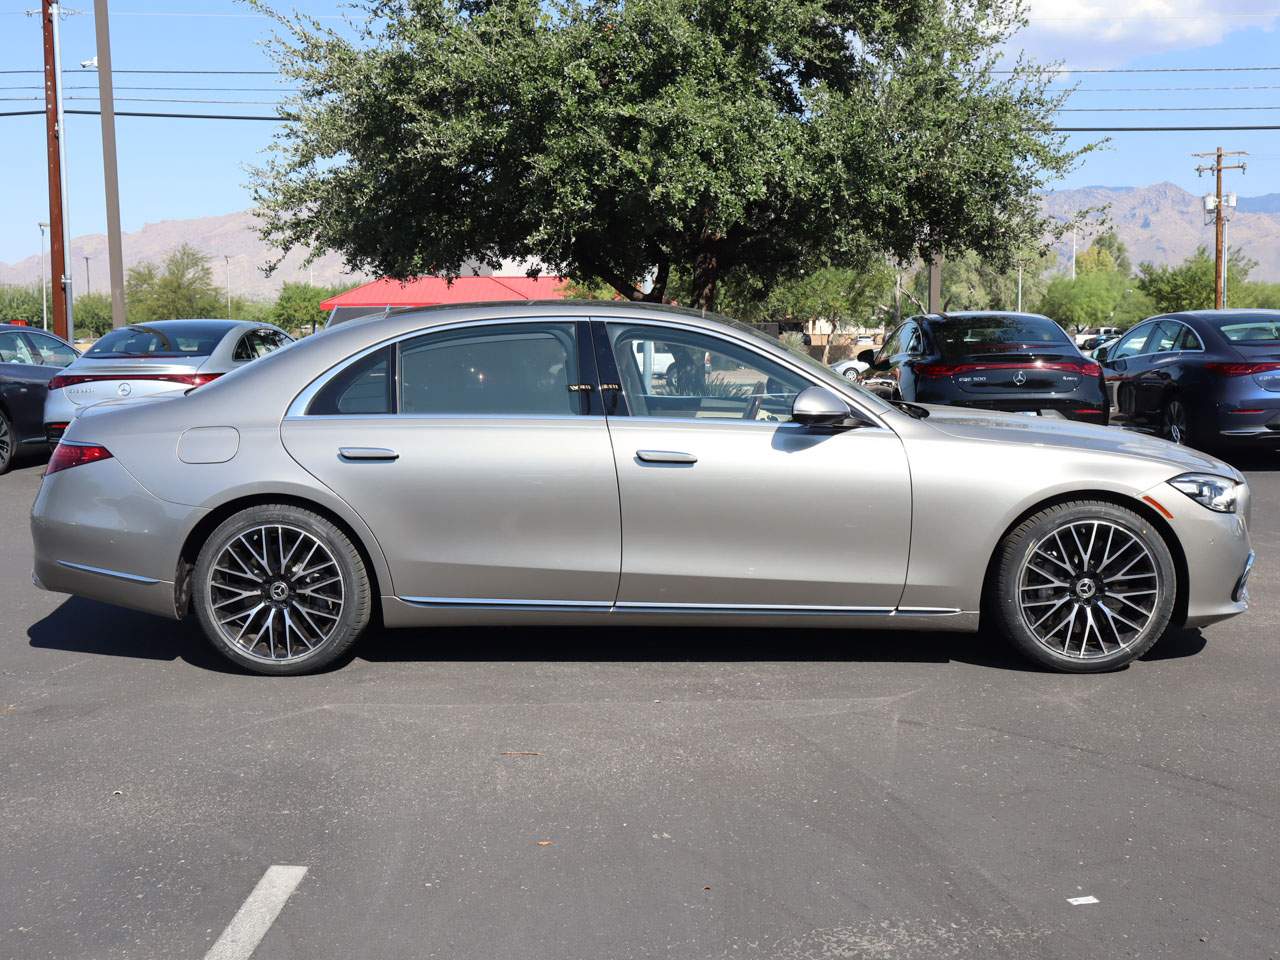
{"x":349,"y":613}
{"x":1032,"y":547}
{"x":8,"y":443}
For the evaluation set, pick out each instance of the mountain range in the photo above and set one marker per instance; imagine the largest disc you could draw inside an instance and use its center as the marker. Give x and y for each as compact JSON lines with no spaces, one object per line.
{"x":1161,"y":223}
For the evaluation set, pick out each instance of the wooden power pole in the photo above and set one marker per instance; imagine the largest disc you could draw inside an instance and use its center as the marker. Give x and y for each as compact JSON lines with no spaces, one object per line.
{"x":1219,"y":217}
{"x":57,"y":232}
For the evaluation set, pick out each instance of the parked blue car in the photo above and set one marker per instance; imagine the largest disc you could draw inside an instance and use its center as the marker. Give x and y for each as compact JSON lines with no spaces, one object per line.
{"x":28,"y":360}
{"x":1205,"y":378}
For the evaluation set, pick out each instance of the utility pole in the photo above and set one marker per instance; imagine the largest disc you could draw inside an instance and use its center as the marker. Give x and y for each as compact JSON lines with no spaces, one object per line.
{"x":110,"y":175}
{"x":1219,"y":218}
{"x":227,"y":260}
{"x":1019,"y":286}
{"x":88,"y":287}
{"x":1073,"y":253}
{"x":59,"y":227}
{"x":935,"y":284}
{"x":44,"y":290}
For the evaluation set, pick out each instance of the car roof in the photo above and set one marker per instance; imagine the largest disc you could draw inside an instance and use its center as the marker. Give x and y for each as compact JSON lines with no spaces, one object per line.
{"x":27,"y":328}
{"x":976,"y":315}
{"x":1224,"y":313}
{"x":202,"y":321}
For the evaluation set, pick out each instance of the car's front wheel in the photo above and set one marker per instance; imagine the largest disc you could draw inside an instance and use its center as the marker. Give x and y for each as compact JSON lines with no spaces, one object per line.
{"x":8,"y":444}
{"x":281,"y":590}
{"x":1084,"y":586}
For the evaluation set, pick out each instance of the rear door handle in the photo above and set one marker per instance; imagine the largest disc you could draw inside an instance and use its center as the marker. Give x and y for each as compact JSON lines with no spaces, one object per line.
{"x":367,"y":453}
{"x":665,"y":456}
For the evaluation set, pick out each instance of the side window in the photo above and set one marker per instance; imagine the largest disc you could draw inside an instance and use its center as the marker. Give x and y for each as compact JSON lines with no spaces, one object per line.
{"x":255,"y":344}
{"x":519,"y":369}
{"x":14,"y":349}
{"x":915,"y":344}
{"x":364,"y":387}
{"x":1166,"y":337}
{"x":1190,"y":340}
{"x":52,"y":352}
{"x":1132,"y":343}
{"x":667,"y":372}
{"x":894,"y":344}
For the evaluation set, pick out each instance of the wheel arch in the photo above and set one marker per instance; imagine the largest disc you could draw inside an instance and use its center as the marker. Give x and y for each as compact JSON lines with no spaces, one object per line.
{"x":200,"y":533}
{"x":1144,"y":510}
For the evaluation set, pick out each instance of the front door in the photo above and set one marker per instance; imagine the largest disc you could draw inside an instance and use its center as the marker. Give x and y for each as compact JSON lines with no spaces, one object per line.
{"x":726,"y":504}
{"x":475,"y":456}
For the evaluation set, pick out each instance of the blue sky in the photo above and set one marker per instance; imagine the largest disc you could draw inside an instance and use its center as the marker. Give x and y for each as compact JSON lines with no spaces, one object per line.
{"x":188,"y":168}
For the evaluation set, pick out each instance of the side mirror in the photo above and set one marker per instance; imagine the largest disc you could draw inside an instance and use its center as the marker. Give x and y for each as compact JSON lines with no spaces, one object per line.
{"x":818,"y":406}
{"x":866,"y":356}
{"x":1100,"y":355}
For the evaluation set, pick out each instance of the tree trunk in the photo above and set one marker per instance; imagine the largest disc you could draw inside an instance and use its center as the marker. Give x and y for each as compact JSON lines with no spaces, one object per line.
{"x":706,"y":272}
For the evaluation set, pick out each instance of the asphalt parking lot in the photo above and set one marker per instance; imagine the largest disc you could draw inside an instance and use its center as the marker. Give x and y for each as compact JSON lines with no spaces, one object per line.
{"x":591,"y":794}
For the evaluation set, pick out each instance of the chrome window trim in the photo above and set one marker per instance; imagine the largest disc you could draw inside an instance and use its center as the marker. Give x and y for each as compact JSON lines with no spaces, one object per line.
{"x":297,"y":409}
{"x":1195,"y":333}
{"x":103,"y":571}
{"x":574,"y":417}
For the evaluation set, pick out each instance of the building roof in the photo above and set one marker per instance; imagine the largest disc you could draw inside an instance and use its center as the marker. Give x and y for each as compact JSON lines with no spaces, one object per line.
{"x":432,"y":291}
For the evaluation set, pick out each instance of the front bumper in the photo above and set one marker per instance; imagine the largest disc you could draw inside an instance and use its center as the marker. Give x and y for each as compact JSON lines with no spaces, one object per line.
{"x":1218,"y":554}
{"x":100,"y":534}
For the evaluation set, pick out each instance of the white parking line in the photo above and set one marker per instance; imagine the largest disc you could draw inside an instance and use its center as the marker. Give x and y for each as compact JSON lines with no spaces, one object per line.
{"x":256,"y":914}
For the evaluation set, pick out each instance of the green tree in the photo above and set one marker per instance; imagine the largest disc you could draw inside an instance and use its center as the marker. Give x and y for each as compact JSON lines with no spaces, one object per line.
{"x":970,"y":282}
{"x":297,"y":308}
{"x":615,"y":140}
{"x":1111,"y":243}
{"x":1099,"y":298}
{"x":92,"y":314}
{"x":1190,"y":284}
{"x":20,"y":303}
{"x":182,"y":288}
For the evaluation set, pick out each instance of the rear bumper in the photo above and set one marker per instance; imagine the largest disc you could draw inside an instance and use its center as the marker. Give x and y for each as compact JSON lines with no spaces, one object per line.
{"x":1068,"y":408}
{"x":98,"y":533}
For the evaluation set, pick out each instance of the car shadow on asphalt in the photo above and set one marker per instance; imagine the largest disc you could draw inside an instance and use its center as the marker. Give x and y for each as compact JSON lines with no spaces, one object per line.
{"x":99,"y":629}
{"x":1252,"y":459}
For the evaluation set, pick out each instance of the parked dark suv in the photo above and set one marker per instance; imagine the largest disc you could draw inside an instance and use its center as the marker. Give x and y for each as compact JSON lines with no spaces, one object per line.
{"x":1019,"y":362}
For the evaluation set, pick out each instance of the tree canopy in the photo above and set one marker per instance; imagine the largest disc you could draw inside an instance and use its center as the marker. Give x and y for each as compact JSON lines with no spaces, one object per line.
{"x":623,"y":142}
{"x":1190,"y":284}
{"x":181,"y":288}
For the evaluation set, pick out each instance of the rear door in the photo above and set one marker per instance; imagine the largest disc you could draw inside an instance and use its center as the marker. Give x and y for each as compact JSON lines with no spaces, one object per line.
{"x":1122,"y":365}
{"x":1157,"y":369}
{"x":23,"y":380}
{"x":480,"y":458}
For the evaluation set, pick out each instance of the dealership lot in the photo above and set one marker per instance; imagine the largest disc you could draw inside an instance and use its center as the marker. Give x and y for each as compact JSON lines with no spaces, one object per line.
{"x":629,"y":793}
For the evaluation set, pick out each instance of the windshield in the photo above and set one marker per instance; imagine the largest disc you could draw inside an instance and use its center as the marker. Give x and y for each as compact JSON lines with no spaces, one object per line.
{"x":959,"y":337}
{"x":186,"y":340}
{"x":1259,"y":329}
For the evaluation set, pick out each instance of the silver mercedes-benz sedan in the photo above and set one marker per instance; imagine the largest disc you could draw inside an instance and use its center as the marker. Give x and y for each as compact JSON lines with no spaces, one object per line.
{"x":156,"y":357}
{"x":529,"y":464}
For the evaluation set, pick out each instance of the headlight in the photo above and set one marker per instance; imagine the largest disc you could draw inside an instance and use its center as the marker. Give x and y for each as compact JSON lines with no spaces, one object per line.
{"x":1217,"y":493}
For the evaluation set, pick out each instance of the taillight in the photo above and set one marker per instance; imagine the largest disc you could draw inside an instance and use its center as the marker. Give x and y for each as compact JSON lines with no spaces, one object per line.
{"x":1241,"y":369}
{"x":1086,"y":368}
{"x":68,"y":455}
{"x":189,"y":379}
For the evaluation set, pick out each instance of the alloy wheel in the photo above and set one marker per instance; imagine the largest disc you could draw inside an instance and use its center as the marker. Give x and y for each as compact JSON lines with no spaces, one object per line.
{"x":1175,"y":418}
{"x":1089,"y":589}
{"x":6,"y":442}
{"x":276,"y":593}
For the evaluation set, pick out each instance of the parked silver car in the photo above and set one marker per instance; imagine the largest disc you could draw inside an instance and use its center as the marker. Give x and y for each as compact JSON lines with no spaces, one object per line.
{"x":513,"y":464}
{"x":158,"y":357}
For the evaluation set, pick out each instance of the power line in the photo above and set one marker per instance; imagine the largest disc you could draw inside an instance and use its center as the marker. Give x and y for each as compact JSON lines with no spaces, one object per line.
{"x":1075,"y":90}
{"x":1153,"y":109}
{"x":92,"y":72}
{"x":1146,"y":70}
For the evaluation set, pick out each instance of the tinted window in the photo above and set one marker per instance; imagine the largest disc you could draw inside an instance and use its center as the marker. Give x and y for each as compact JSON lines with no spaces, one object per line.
{"x":1189,"y":340}
{"x":364,"y":387}
{"x":14,"y":349}
{"x":896,"y":342}
{"x":1132,"y":343}
{"x":1166,"y":337}
{"x":515,"y":369}
{"x":186,"y":340}
{"x":959,"y":337}
{"x":257,"y":343}
{"x":53,"y":352}
{"x":1246,"y":329}
{"x":667,"y":372}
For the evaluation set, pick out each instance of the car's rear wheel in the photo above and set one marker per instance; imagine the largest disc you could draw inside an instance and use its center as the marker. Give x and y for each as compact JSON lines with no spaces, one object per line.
{"x":8,"y":445}
{"x":281,"y":590}
{"x":1084,"y":586}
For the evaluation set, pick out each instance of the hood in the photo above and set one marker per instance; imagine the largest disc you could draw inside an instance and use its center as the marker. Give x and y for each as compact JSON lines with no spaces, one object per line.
{"x":998,"y":427}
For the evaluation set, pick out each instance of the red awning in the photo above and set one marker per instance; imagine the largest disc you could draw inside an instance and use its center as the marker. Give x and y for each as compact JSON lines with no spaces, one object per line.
{"x":428,"y":291}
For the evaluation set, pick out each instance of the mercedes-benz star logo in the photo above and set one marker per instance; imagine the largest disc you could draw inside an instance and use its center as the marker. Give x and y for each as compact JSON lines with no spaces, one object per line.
{"x":279,"y":590}
{"x":124,"y":389}
{"x":1019,"y":378}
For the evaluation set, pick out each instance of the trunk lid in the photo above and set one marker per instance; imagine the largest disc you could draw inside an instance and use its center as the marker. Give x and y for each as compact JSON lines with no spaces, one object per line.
{"x":1013,"y":373}
{"x":90,"y":381}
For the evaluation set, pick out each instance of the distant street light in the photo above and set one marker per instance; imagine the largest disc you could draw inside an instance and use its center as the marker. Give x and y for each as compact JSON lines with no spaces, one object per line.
{"x":44,"y":290}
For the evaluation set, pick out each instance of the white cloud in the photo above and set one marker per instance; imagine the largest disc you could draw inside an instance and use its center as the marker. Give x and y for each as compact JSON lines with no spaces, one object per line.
{"x":1102,"y":32}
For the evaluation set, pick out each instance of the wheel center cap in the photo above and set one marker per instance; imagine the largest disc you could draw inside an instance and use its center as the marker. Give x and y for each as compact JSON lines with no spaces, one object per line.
{"x":1086,"y":589}
{"x":279,"y":591}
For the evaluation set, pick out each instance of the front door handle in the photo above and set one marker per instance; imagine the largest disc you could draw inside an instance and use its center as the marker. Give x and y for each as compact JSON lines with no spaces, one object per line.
{"x":665,"y":456}
{"x":367,"y":453}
